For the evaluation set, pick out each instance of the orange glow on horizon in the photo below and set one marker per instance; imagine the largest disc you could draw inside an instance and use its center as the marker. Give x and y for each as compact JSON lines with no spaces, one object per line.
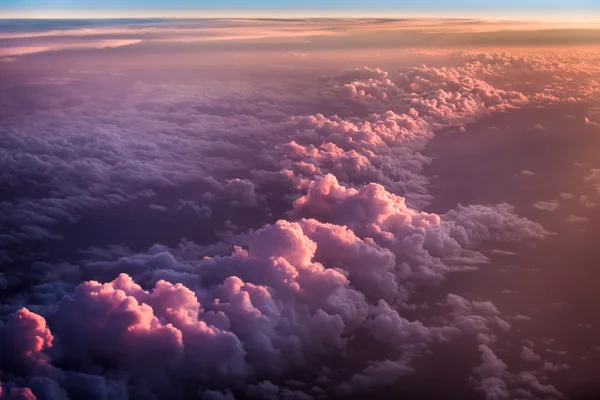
{"x":574,"y":18}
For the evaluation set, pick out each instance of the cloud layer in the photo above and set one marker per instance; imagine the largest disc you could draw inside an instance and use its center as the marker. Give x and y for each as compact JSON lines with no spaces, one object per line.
{"x":314,"y":262}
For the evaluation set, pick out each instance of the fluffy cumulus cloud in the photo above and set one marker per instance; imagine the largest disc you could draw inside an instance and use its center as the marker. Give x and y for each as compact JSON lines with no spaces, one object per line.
{"x":298,"y":293}
{"x":316,"y":246}
{"x":25,"y":337}
{"x":495,"y":381}
{"x":259,"y":312}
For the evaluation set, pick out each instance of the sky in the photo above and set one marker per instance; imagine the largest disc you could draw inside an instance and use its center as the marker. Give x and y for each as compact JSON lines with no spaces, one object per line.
{"x":531,"y":9}
{"x":298,"y":209}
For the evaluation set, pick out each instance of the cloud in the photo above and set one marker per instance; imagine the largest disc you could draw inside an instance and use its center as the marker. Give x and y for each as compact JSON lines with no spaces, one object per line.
{"x":15,"y":393}
{"x":495,"y":381}
{"x":585,"y":201}
{"x":592,"y":123}
{"x":316,"y":250}
{"x":266,"y":309}
{"x":576,"y":219}
{"x":548,"y":366}
{"x":10,"y":52}
{"x":529,"y":355}
{"x":549,"y":206}
{"x":538,"y":128}
{"x":25,"y":338}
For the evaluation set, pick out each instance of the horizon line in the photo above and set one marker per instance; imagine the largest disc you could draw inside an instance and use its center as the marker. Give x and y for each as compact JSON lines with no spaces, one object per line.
{"x":550,"y":16}
{"x":588,"y":20}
